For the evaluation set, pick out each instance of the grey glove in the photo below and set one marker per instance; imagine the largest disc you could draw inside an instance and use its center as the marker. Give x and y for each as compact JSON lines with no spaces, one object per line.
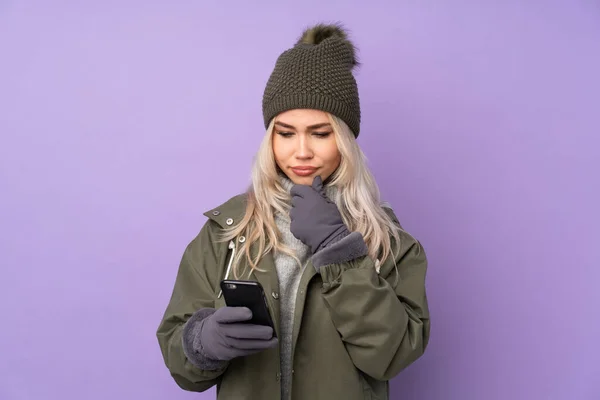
{"x":212,"y":337}
{"x":317,"y":222}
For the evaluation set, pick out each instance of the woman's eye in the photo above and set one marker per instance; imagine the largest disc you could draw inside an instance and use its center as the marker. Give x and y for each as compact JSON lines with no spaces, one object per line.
{"x":321,"y":134}
{"x":285,"y":134}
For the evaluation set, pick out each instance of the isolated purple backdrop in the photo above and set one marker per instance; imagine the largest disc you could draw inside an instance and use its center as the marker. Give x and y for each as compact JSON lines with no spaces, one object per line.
{"x":121,"y":122}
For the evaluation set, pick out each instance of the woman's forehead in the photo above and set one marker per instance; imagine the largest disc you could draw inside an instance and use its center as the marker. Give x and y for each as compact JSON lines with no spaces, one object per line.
{"x":300,"y":118}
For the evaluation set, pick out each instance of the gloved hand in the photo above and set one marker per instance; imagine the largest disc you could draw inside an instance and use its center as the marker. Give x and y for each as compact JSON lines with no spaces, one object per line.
{"x":315,"y":219}
{"x":223,"y":336}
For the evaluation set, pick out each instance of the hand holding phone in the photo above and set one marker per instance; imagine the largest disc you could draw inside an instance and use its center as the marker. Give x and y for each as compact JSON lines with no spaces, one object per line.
{"x":226,"y":334}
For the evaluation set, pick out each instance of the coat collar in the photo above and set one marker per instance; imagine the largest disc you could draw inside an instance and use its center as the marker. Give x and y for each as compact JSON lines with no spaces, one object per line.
{"x":230,"y":212}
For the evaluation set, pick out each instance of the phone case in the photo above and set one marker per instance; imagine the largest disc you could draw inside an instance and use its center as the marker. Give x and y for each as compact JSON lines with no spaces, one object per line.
{"x":248,"y":294}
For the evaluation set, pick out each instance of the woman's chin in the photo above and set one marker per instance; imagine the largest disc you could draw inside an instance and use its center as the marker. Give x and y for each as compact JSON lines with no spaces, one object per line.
{"x":302,"y":180}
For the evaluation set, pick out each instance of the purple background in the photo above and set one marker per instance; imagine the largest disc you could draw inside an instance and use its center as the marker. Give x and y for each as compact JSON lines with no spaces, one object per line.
{"x":122,"y":121}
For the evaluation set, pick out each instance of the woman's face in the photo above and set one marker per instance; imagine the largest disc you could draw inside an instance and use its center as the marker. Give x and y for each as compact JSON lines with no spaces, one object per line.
{"x":304,"y":145}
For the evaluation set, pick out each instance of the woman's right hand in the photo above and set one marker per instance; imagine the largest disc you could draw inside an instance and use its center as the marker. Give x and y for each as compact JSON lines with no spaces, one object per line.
{"x":224,"y":335}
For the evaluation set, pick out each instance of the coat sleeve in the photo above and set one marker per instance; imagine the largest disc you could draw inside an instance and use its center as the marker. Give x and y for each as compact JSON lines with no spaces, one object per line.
{"x":194,"y":289}
{"x":383,"y":319}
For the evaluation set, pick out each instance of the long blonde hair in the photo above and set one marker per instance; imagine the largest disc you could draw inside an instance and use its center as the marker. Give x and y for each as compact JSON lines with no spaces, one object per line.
{"x":357,"y":198}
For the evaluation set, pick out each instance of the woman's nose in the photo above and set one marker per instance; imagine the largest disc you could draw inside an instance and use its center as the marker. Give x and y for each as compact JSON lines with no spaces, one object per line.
{"x":304,"y":149}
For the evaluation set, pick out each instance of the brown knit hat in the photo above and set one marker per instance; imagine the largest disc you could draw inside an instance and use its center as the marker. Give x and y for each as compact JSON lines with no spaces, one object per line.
{"x":316,"y":73}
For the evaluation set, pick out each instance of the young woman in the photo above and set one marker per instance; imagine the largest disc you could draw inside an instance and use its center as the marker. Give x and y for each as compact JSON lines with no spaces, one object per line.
{"x":345,"y":283}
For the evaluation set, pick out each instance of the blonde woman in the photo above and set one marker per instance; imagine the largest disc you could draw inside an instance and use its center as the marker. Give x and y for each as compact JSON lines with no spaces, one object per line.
{"x":345,"y":283}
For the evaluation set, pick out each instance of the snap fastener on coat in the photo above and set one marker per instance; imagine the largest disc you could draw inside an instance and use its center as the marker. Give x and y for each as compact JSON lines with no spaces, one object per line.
{"x":242,"y":239}
{"x":216,"y":212}
{"x":229,"y":221}
{"x":275,"y":295}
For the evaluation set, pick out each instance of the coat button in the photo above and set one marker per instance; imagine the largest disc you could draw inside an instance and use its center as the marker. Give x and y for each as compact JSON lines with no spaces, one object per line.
{"x":278,"y":376}
{"x":242,"y":239}
{"x":275,"y":295}
{"x":229,"y":221}
{"x":216,"y":212}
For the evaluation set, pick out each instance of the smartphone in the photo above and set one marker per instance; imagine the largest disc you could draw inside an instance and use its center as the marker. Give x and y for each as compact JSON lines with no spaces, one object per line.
{"x":248,"y":294}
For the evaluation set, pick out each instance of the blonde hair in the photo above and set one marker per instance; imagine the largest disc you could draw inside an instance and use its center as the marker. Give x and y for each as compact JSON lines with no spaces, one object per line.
{"x":357,"y":198}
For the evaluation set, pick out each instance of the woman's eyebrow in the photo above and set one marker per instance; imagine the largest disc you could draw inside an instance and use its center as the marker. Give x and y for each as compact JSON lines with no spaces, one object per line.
{"x":285,"y":125}
{"x":317,"y":126}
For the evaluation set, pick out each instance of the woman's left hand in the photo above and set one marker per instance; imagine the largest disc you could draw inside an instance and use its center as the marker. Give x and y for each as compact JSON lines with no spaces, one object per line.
{"x":315,"y":219}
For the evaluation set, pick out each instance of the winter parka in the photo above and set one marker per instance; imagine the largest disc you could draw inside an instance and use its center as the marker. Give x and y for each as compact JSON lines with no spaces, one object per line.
{"x":354,"y":328}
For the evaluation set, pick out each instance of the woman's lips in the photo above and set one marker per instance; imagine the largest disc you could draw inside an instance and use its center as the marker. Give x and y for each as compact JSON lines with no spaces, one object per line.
{"x":304,"y":171}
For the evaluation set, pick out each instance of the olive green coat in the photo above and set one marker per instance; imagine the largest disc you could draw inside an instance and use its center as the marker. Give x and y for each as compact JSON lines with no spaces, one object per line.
{"x":354,"y":328}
